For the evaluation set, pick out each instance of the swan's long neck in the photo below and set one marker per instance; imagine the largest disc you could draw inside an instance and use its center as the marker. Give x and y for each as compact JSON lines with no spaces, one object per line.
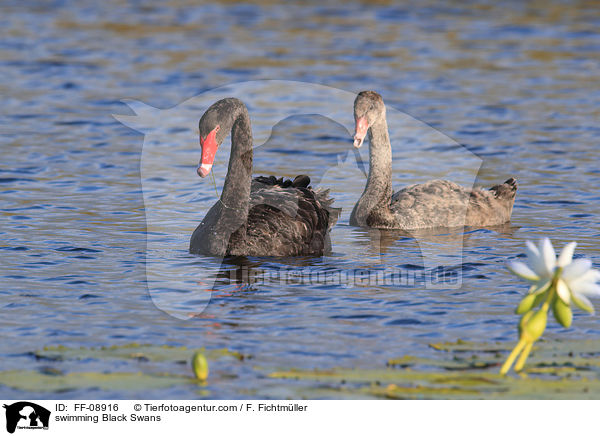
{"x":236,"y":190}
{"x":373,"y":207}
{"x":378,"y":191}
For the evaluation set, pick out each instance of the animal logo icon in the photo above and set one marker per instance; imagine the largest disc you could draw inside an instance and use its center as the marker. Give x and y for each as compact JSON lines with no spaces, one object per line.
{"x":24,"y":414}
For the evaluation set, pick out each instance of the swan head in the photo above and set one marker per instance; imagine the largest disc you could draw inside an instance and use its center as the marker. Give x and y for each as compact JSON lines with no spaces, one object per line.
{"x":211,"y":132}
{"x":368,"y":109}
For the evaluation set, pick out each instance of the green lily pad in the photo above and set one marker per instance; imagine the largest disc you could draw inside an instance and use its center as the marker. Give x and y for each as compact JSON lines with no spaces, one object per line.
{"x":144,"y":352}
{"x":52,"y":379}
{"x":35,"y":381}
{"x":453,"y":370}
{"x":556,"y":369}
{"x":393,"y":383}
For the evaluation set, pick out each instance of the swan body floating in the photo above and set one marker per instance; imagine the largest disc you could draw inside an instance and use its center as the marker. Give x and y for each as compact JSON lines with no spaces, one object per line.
{"x":436,"y":203}
{"x":264,"y":216}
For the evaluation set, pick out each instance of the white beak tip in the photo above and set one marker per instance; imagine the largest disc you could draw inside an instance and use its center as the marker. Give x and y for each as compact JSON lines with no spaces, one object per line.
{"x":203,"y":170}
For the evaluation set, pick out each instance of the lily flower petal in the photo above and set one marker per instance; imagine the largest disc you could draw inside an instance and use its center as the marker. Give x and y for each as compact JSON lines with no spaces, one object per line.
{"x":576,"y":269}
{"x":563,"y":291}
{"x":583,"y":303}
{"x":566,"y":255}
{"x":535,"y":259}
{"x":548,"y":254}
{"x":593,"y":275}
{"x":523,"y":271}
{"x":589,"y":278}
{"x":584,"y":287}
{"x":532,"y":248}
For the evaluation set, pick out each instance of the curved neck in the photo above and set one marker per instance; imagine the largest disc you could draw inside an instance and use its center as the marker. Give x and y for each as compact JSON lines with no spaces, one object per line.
{"x":379,"y":183}
{"x":236,"y":190}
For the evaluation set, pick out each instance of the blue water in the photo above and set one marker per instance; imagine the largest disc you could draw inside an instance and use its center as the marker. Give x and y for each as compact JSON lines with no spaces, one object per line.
{"x":91,"y":208}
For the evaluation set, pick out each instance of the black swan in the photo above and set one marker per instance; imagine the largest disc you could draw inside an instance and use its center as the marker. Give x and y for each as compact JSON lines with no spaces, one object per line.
{"x":264,"y":216}
{"x":436,"y":203}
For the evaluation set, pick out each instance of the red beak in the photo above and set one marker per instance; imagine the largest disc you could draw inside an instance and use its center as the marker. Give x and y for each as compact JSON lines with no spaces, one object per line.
{"x":362,"y":125}
{"x":209,"y":149}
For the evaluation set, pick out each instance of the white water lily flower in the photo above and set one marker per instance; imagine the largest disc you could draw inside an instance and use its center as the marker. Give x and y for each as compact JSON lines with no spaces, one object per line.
{"x":576,"y":280}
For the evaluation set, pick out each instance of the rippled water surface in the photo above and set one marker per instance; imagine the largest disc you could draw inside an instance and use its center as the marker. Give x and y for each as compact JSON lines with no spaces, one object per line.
{"x":96,"y":215}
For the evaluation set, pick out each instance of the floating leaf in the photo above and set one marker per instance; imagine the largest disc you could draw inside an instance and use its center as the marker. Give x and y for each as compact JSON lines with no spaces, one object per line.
{"x":133,"y":351}
{"x":465,"y":370}
{"x":35,"y":381}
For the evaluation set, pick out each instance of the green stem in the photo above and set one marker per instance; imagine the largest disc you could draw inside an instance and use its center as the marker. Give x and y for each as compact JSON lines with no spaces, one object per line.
{"x":552,"y":292}
{"x":524,"y":355}
{"x":523,"y":345}
{"x":513,"y":355}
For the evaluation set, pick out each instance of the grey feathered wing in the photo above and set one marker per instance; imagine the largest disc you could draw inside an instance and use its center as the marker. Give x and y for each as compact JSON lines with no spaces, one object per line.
{"x":441,"y":203}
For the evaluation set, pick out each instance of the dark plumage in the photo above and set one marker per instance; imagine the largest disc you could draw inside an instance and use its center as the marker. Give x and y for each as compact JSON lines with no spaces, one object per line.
{"x":265,"y":216}
{"x":436,"y":203}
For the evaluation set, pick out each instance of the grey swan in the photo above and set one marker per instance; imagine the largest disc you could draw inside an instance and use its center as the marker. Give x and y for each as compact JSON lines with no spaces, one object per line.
{"x":436,"y":203}
{"x":264,"y":216}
